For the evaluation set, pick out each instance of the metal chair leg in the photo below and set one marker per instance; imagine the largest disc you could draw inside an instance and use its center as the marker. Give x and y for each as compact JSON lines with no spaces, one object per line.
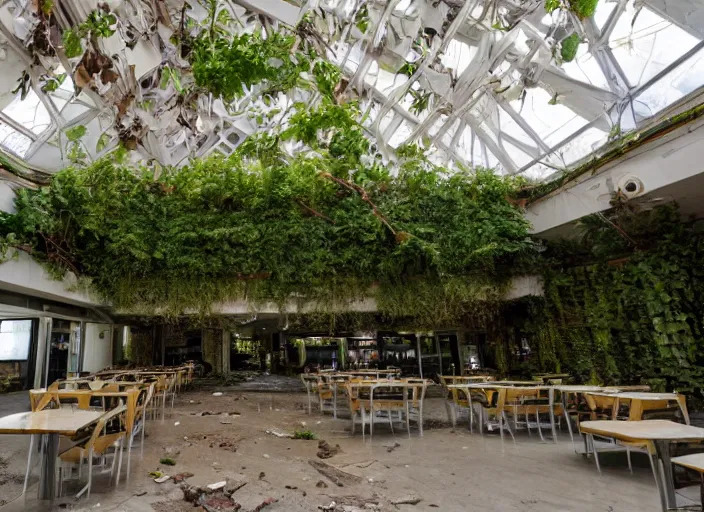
{"x":537,"y":419}
{"x":29,"y":463}
{"x":628,"y":457}
{"x":129,"y":458}
{"x":90,"y":471}
{"x":119,"y":463}
{"x":596,"y":454}
{"x":408,"y":420}
{"x":141,"y":446}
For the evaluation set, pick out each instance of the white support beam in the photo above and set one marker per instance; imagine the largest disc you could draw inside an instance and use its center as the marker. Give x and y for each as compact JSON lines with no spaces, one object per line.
{"x":658,"y":164}
{"x":277,"y":9}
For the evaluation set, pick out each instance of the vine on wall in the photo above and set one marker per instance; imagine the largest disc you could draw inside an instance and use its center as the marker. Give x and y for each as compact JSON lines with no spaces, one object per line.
{"x":635,"y":319}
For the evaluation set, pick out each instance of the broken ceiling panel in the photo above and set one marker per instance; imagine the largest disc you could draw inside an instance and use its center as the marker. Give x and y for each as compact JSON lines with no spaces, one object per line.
{"x":487,"y":82}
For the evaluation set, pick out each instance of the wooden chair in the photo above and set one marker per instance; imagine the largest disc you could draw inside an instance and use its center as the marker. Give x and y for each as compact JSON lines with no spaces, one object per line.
{"x":414,"y":404}
{"x":109,"y":432}
{"x":325,"y":394}
{"x":492,"y":402}
{"x":455,"y":400}
{"x":310,"y":382}
{"x":390,"y":398}
{"x":359,"y":408}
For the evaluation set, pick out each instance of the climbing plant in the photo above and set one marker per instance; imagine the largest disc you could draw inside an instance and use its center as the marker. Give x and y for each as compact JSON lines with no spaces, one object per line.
{"x":423,"y":242}
{"x":631,"y":310}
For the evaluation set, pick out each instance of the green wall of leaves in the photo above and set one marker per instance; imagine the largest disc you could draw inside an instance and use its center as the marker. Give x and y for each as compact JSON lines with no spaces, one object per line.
{"x":158,"y":241}
{"x":635,"y":319}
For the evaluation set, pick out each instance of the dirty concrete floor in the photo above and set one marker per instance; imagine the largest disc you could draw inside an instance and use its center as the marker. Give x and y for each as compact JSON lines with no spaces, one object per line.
{"x":448,"y":470}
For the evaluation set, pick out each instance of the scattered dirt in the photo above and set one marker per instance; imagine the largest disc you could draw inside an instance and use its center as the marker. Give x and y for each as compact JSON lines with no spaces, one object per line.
{"x":431,"y":467}
{"x":391,"y":448}
{"x":264,"y":504}
{"x":326,"y":451}
{"x":172,"y":506}
{"x":219,"y":503}
{"x":336,"y":476}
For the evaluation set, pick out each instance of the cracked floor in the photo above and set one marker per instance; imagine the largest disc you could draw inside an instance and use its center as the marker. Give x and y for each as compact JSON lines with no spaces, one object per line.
{"x":449,"y":470}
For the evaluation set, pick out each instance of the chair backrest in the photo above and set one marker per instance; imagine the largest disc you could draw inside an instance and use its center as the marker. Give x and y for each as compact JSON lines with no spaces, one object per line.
{"x":601,"y":406}
{"x":418,"y":389}
{"x":102,"y":438}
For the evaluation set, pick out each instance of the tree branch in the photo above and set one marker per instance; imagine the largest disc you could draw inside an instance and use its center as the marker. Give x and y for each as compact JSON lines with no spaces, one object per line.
{"x":364,"y":196}
{"x":314,"y":212}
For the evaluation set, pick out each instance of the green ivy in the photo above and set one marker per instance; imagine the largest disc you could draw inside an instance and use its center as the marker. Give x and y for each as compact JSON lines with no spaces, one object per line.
{"x":570,"y":45}
{"x":422,"y":243}
{"x":633,"y":319}
{"x":98,"y":24}
{"x":225,"y":65}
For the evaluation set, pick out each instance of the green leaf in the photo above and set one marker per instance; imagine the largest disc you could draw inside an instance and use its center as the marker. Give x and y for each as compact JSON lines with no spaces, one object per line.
{"x":165,"y":77}
{"x":75,"y":133}
{"x":102,"y":142}
{"x":552,"y":5}
{"x":72,"y":43}
{"x":570,"y":45}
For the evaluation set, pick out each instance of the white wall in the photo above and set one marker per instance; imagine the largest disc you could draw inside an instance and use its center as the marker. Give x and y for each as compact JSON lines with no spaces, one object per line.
{"x":97,"y":351}
{"x":670,"y":159}
{"x":21,"y":274}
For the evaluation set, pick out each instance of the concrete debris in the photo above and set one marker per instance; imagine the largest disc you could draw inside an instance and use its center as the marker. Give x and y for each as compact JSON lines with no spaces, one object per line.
{"x":218,"y":503}
{"x":266,"y":455}
{"x":262,"y":475}
{"x":291,"y":487}
{"x":210,"y":498}
{"x":326,"y":451}
{"x":408,"y":500}
{"x":274,"y":432}
{"x":235,"y":488}
{"x":336,"y":476}
{"x":139,"y":493}
{"x":321,"y":484}
{"x":264,"y":504}
{"x":217,"y":393}
{"x":352,"y":504}
{"x":389,"y":449}
{"x":177,"y":424}
{"x":172,"y":450}
{"x":217,"y":486}
{"x":162,"y":479}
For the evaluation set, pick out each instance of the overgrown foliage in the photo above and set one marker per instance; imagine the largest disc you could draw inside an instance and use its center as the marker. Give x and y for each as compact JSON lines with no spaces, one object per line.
{"x":321,"y":228}
{"x":636,"y":318}
{"x":570,"y":45}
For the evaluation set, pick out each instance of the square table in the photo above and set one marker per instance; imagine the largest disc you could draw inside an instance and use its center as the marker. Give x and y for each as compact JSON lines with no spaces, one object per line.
{"x":50,"y":423}
{"x":659,"y":433}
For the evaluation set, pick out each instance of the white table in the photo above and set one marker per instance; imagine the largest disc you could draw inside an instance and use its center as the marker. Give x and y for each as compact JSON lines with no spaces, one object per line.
{"x":658,"y":432}
{"x":50,"y":423}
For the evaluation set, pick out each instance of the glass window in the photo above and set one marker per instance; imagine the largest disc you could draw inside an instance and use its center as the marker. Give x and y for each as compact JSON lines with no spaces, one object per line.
{"x":15,"y":336}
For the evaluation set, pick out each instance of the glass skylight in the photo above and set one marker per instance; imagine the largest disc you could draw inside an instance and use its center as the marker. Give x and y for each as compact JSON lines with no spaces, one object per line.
{"x":484,"y":82}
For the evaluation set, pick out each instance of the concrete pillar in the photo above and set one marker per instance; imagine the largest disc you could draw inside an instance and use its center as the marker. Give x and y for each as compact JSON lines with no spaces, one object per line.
{"x":226,"y":346}
{"x":41,"y":361}
{"x":212,"y":349}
